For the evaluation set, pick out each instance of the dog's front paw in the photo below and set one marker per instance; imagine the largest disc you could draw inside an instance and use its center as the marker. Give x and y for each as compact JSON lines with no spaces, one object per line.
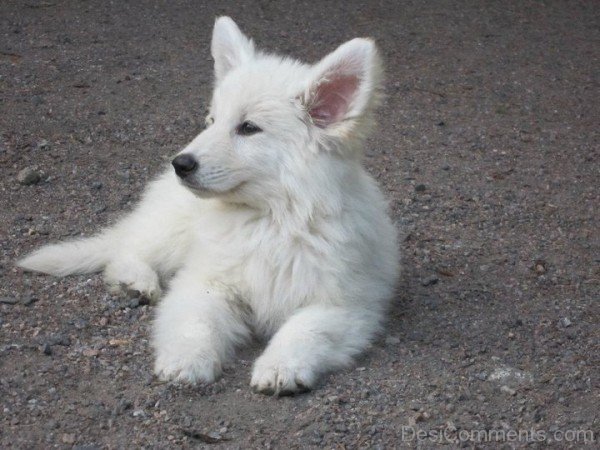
{"x":187,"y":369}
{"x":281,"y":376}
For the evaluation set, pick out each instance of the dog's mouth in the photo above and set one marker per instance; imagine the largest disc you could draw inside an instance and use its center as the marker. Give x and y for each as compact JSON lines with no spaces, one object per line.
{"x":198,"y":188}
{"x":204,"y":191}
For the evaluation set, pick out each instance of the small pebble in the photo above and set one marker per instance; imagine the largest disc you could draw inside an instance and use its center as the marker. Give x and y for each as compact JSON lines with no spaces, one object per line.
{"x":134,"y":303}
{"x":60,"y":339}
{"x":420,"y":188}
{"x":68,"y":438}
{"x":28,"y":176}
{"x":429,"y":281}
{"x":37,"y":100}
{"x":214,"y":435}
{"x":90,"y":352}
{"x":540,"y":267}
{"x":421,"y":416}
{"x":123,"y":406}
{"x":80,"y":324}
{"x":508,"y":390}
{"x":566,"y":322}
{"x":43,"y":145}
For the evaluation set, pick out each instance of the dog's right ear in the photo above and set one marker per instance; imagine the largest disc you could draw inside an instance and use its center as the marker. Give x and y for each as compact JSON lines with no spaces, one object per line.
{"x":230,"y":47}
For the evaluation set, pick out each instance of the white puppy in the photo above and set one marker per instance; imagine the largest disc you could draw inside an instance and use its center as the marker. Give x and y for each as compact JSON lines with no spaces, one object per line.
{"x":269,"y":223}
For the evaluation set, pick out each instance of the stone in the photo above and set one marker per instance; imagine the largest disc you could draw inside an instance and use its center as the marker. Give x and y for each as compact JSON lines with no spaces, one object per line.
{"x":28,"y":176}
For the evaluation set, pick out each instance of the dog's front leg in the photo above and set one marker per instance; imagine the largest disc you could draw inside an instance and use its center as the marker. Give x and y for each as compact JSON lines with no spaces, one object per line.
{"x":195,"y":331}
{"x":315,"y":340}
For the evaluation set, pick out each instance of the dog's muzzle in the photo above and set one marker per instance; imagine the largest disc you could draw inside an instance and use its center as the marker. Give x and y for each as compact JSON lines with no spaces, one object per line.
{"x":184,"y":165}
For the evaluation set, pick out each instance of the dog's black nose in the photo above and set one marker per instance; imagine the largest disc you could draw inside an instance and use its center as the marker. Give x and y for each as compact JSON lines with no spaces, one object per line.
{"x":184,"y":165}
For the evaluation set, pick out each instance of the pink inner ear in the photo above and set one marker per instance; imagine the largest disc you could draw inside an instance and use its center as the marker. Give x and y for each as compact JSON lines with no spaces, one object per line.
{"x":332,"y":99}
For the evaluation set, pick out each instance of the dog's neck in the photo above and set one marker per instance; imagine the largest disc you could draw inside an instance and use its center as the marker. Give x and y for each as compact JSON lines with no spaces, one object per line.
{"x":301,"y":202}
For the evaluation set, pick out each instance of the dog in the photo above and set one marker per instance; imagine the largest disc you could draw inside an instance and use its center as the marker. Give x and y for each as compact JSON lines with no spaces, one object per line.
{"x":267,"y":224}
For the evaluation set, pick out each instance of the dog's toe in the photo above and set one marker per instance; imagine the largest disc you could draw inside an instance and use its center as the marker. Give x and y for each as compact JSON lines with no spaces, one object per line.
{"x":186,"y":370}
{"x":149,"y":293}
{"x":281,"y":379}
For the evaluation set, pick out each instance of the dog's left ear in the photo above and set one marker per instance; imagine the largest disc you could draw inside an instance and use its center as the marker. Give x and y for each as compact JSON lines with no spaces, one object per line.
{"x":229,"y":47}
{"x":344,"y":86}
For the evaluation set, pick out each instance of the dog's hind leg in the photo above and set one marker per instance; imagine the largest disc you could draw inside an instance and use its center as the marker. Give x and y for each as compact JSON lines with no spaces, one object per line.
{"x":151,"y":240}
{"x":315,"y":340}
{"x":131,"y":274}
{"x":196,"y":330}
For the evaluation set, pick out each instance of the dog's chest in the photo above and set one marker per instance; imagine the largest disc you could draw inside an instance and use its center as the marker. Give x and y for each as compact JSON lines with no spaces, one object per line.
{"x":266,"y":265}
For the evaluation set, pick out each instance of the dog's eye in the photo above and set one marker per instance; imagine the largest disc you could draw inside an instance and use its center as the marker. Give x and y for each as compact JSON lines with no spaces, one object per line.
{"x":247,"y":128}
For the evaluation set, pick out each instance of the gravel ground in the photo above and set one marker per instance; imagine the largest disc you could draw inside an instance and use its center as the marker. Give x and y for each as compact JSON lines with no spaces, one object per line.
{"x":488,"y":149}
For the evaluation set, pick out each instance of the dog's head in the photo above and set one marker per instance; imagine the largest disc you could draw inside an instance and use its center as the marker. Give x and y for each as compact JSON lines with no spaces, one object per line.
{"x":270,"y":117}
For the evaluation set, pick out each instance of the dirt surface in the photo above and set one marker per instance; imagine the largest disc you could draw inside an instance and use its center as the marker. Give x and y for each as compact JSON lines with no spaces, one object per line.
{"x":487,"y":147}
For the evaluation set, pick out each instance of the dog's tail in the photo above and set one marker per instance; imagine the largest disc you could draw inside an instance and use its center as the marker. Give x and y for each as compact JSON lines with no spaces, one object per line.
{"x":79,"y":256}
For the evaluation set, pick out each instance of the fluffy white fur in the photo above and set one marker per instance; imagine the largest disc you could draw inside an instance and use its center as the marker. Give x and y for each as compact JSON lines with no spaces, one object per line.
{"x":281,"y":233}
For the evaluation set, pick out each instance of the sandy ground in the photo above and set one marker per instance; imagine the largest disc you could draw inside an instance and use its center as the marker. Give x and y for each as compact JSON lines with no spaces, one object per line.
{"x":487,"y":147}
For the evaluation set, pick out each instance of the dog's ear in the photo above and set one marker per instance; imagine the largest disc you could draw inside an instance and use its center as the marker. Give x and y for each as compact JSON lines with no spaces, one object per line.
{"x":229,"y":47}
{"x":344,"y":86}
